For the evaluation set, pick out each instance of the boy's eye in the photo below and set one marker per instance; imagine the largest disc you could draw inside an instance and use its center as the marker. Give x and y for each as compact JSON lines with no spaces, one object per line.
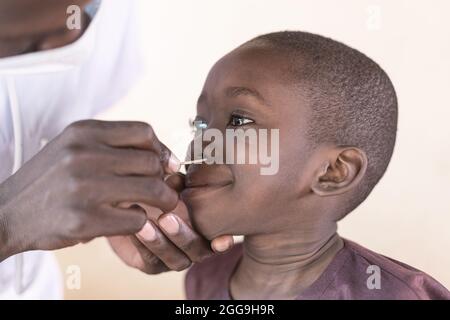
{"x":237,"y":120}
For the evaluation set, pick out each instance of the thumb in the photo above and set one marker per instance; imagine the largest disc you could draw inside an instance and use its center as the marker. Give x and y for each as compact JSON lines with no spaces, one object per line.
{"x":176,"y":181}
{"x":222,"y":243}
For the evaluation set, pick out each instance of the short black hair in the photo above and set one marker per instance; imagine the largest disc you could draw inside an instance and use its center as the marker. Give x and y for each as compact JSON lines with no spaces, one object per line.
{"x":353,"y":100}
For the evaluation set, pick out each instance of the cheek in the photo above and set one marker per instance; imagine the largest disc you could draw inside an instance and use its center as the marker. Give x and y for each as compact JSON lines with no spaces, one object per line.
{"x":234,"y":209}
{"x":258,"y":198}
{"x":252,"y":204}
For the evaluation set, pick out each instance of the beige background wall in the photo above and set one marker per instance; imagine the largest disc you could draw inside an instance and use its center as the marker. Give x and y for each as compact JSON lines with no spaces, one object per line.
{"x":406,"y":217}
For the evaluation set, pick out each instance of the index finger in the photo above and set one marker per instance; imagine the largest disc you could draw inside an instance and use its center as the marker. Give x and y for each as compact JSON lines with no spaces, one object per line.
{"x":126,"y":134}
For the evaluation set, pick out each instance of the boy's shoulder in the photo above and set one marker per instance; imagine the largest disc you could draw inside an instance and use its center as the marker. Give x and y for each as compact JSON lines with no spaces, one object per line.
{"x":354,"y":273}
{"x":359,"y":273}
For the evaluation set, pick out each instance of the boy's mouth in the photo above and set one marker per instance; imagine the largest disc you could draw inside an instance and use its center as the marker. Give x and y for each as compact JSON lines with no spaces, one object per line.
{"x":204,"y":179}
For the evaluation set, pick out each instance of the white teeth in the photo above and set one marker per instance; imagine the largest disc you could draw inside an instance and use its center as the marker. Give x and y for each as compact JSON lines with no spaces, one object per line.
{"x":193,"y":161}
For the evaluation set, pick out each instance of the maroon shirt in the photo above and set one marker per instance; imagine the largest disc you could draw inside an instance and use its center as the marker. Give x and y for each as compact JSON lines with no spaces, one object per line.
{"x":345,"y":277}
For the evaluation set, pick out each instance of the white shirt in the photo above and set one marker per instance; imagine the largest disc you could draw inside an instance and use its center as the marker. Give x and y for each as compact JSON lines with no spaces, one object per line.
{"x":48,"y":102}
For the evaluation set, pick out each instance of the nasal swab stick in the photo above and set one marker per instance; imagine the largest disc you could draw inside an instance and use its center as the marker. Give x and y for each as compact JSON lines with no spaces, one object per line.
{"x":193,"y":161}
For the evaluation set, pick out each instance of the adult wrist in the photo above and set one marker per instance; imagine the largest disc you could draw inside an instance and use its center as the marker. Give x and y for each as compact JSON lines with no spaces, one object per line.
{"x":7,"y":240}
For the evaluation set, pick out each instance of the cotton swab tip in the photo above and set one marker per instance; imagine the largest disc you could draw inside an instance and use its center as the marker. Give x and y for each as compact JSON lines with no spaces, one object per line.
{"x":193,"y":161}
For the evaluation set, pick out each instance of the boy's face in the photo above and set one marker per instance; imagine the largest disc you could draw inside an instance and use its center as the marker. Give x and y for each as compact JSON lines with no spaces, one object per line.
{"x":249,"y":89}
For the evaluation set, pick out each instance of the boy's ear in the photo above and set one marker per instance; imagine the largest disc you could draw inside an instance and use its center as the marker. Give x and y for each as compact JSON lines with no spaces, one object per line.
{"x":344,"y":169}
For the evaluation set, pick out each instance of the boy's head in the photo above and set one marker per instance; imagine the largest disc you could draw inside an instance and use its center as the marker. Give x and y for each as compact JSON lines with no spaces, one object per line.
{"x":336,"y":111}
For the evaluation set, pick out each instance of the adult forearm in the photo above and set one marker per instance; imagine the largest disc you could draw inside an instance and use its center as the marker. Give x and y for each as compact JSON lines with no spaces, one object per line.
{"x":6,"y":245}
{"x":8,"y":236}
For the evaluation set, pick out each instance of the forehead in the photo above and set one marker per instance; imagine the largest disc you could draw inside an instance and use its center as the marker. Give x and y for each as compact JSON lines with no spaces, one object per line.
{"x":262,"y":70}
{"x":251,"y":67}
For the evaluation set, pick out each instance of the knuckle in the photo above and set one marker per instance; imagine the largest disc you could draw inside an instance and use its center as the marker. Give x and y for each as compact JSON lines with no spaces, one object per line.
{"x":69,"y":156}
{"x":144,"y":128}
{"x":148,"y":130}
{"x":167,"y":196}
{"x":74,"y":156}
{"x":77,"y":188}
{"x":75,"y":130}
{"x":152,"y":162}
{"x":187,"y":245}
{"x":180,"y":266}
{"x":74,"y":185}
{"x":75,"y":127}
{"x":76,"y":225}
{"x":68,"y":159}
{"x":151,"y":261}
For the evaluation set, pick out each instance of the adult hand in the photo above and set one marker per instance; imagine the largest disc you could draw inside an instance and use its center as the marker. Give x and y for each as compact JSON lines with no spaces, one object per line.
{"x":167,"y":241}
{"x":30,"y":25}
{"x":70,"y":191}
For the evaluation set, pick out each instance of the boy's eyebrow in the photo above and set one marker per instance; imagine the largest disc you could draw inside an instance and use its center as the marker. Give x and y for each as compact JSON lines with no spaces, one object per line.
{"x":233,"y":92}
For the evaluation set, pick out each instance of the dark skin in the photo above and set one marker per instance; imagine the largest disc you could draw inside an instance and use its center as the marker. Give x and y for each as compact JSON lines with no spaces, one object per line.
{"x":156,"y":249}
{"x":288,"y":219}
{"x":28,"y":26}
{"x":85,"y":184}
{"x":96,"y":178}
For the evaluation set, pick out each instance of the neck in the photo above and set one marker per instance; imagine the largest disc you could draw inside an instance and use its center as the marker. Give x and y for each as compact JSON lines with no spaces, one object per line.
{"x":280,"y":266}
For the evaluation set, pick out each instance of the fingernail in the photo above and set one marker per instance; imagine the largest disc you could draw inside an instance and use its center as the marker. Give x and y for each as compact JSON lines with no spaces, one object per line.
{"x":174,"y":163}
{"x":147,"y":232}
{"x":221,"y":246}
{"x":170,"y":224}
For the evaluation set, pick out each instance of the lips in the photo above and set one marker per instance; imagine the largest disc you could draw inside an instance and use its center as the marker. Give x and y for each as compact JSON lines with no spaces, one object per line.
{"x":201,"y":179}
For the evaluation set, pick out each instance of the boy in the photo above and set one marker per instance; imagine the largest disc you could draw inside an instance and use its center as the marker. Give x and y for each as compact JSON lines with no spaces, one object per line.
{"x":336,"y":111}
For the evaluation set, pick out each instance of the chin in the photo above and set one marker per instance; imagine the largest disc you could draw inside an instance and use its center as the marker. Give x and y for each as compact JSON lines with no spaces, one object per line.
{"x":207,"y":214}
